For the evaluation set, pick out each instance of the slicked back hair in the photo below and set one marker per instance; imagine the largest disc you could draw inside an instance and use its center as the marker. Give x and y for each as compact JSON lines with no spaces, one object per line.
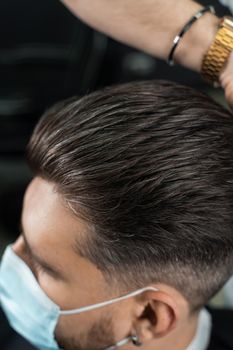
{"x":149,"y":165}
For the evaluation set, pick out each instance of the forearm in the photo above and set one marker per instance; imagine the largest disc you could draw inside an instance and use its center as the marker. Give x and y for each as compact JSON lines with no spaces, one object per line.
{"x":151,"y":25}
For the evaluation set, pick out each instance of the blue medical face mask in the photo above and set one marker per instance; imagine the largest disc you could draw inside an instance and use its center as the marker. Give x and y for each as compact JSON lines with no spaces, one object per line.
{"x":31,"y":312}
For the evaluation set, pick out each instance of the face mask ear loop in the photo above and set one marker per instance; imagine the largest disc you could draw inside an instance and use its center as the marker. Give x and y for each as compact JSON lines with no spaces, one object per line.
{"x":134,"y":339}
{"x":119,"y":344}
{"x":106,"y":303}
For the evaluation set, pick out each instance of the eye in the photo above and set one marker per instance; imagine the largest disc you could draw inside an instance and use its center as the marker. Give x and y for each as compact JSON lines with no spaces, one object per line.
{"x":38,"y":267}
{"x":35,"y":267}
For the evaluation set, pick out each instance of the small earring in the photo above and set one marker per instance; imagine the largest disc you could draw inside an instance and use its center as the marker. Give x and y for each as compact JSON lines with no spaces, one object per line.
{"x":135,"y":340}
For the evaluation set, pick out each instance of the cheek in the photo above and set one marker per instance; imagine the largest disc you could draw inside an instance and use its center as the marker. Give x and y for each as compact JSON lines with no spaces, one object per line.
{"x":58,"y":291}
{"x":88,"y":331}
{"x":77,"y":327}
{"x":68,"y":333}
{"x":66,"y":295}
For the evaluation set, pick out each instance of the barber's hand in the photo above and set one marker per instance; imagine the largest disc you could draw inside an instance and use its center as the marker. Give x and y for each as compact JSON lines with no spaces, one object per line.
{"x":226,"y":80}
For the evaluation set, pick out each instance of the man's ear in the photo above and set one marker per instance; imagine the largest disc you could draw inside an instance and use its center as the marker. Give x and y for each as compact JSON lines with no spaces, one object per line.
{"x":156,"y":316}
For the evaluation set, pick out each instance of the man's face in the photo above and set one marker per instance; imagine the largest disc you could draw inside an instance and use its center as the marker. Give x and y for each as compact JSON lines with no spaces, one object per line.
{"x":50,"y":231}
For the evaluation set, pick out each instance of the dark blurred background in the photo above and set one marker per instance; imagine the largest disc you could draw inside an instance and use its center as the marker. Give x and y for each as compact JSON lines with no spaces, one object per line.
{"x":46,"y":54}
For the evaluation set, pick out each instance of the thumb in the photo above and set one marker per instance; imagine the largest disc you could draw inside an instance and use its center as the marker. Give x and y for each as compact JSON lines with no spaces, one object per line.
{"x":226,"y":80}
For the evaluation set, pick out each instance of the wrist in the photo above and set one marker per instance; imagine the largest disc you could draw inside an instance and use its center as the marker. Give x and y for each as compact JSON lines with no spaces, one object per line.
{"x":196,"y":42}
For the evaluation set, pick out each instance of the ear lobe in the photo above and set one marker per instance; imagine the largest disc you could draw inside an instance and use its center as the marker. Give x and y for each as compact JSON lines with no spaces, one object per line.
{"x":158,"y":318}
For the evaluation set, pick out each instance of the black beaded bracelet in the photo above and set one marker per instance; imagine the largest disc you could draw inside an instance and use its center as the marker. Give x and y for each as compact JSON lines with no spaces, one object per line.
{"x":186,"y":27}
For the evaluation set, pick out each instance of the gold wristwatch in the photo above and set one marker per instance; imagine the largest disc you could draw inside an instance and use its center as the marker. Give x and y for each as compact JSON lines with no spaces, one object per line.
{"x":217,"y":55}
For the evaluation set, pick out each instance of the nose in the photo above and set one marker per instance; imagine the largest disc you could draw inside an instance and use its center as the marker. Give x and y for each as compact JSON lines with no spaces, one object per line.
{"x":20,"y":249}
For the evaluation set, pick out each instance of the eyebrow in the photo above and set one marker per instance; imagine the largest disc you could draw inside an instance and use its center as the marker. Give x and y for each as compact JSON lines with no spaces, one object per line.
{"x":56,"y":273}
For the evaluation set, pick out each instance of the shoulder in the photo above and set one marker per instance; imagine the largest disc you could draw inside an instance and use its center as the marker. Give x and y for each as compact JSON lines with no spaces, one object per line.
{"x":222,"y":330}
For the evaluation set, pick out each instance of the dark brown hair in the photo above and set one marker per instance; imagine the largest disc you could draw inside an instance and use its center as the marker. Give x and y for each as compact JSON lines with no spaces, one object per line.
{"x":150,"y":166}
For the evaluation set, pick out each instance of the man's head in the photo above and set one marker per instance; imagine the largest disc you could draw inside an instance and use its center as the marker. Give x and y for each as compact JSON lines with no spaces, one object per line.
{"x":133,"y":187}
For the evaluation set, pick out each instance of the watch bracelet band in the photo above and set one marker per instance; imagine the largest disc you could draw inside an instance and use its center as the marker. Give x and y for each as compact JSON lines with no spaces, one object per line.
{"x":185,"y":28}
{"x":216,"y":57}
